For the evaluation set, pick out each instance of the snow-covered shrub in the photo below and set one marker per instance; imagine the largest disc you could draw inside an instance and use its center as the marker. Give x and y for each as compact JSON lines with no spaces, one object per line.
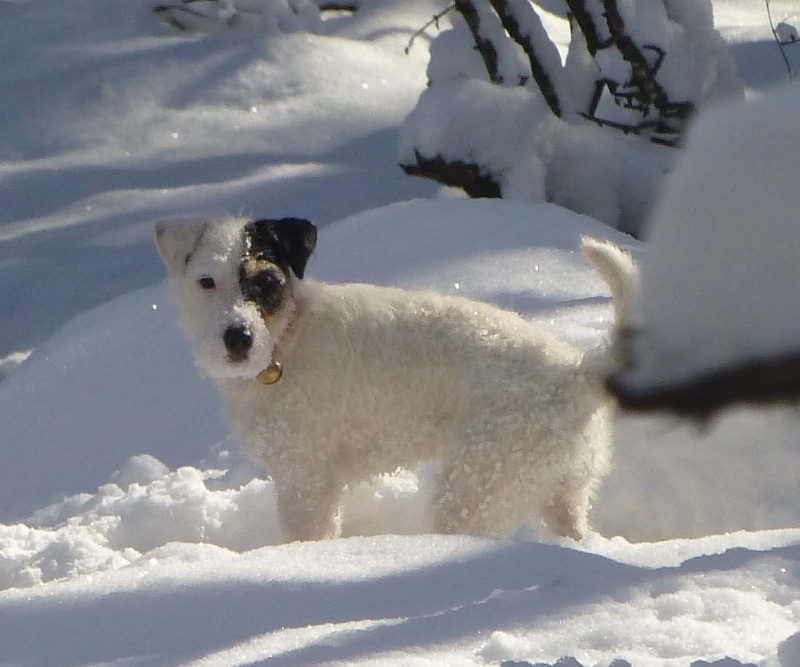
{"x":719,"y":317}
{"x":505,"y":115}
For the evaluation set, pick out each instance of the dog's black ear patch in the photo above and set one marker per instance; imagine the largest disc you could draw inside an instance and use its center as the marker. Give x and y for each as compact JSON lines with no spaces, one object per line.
{"x":288,"y":242}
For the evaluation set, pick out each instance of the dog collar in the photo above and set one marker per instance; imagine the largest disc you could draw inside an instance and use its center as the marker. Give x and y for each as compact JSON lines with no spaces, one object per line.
{"x":271,"y":374}
{"x":274,"y":372}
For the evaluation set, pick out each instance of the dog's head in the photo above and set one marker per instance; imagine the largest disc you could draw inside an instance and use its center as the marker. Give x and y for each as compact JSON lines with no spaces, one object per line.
{"x":233,"y":283}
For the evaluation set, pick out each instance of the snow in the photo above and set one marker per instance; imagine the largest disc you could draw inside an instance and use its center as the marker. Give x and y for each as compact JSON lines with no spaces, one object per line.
{"x":786,"y":33}
{"x":533,"y":155}
{"x":121,"y":121}
{"x":450,"y":119}
{"x":132,"y":530}
{"x":257,"y":15}
{"x":724,"y":302}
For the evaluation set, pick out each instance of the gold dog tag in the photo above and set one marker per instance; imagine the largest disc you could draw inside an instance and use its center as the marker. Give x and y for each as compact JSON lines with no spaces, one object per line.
{"x":271,"y":374}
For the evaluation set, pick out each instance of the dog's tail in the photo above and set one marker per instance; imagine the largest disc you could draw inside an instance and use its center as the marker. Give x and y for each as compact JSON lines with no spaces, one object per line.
{"x":617,"y":269}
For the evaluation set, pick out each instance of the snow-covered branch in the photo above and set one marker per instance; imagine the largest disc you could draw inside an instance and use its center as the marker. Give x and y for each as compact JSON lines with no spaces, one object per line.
{"x":479,"y":22}
{"x":525,"y":27}
{"x":588,"y":22}
{"x":455,"y":174}
{"x":593,"y":132}
{"x":643,"y":75}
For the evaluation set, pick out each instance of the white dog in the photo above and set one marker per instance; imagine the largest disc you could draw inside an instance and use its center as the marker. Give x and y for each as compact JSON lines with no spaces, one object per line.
{"x":328,"y":385}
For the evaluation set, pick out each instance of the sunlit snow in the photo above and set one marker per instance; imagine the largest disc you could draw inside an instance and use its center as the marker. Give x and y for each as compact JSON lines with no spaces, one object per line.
{"x":132,"y":530}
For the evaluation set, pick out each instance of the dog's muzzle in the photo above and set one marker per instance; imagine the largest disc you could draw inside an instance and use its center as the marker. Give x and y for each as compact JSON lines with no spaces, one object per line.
{"x":238,"y":340}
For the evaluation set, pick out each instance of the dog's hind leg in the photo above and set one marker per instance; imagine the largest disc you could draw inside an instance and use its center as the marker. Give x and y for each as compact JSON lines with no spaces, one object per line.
{"x":494,"y":479}
{"x":470,"y":499}
{"x":565,"y":513}
{"x":471,"y":503}
{"x":309,"y":510}
{"x":566,"y":509}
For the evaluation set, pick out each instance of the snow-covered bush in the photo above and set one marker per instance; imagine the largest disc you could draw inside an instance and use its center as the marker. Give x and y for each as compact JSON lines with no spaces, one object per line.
{"x":719,"y":294}
{"x":505,"y":115}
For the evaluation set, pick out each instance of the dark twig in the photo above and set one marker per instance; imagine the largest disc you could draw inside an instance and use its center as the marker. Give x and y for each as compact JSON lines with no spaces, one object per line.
{"x":773,"y":381}
{"x":434,"y":21}
{"x":350,"y":7}
{"x":656,"y":125}
{"x":643,"y":75}
{"x":650,"y":92}
{"x":164,"y":12}
{"x":778,"y":42}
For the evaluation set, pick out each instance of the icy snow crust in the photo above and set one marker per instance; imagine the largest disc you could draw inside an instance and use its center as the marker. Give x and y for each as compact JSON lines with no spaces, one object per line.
{"x":134,"y":533}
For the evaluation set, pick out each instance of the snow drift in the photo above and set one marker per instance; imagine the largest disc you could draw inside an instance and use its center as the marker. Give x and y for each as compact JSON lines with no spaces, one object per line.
{"x":133,"y":532}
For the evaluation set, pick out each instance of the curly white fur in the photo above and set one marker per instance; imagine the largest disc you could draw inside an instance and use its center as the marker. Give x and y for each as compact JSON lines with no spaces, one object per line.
{"x":379,"y":378}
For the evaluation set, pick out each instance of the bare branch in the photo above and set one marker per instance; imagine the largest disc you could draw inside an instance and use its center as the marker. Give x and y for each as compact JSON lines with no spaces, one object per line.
{"x":434,"y":21}
{"x":778,"y":41}
{"x":643,"y":75}
{"x":339,"y":6}
{"x":666,"y":135}
{"x":650,"y":92}
{"x":757,"y":383}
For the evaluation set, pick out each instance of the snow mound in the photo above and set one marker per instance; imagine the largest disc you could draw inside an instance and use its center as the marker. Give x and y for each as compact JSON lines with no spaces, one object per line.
{"x":716,"y":327}
{"x":146,"y":507}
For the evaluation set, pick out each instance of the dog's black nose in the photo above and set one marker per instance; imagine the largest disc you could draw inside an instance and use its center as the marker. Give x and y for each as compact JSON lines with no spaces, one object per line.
{"x":238,"y":341}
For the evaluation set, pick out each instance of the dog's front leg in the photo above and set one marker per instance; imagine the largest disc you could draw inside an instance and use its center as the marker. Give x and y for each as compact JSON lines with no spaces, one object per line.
{"x":309,"y":508}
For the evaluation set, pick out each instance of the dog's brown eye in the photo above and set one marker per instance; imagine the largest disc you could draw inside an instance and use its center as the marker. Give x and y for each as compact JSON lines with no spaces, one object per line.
{"x":207,"y":282}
